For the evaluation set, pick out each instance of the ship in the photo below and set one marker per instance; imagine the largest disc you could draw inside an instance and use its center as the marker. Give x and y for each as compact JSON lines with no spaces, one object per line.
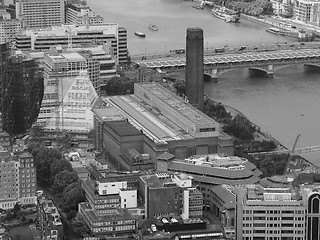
{"x":226,"y":14}
{"x":153,"y":27}
{"x":273,"y":30}
{"x":199,"y":6}
{"x":140,"y":34}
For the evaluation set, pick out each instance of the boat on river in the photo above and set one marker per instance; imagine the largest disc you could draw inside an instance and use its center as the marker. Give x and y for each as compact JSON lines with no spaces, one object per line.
{"x":199,"y":6}
{"x":226,"y":14}
{"x":153,"y":27}
{"x":140,"y":34}
{"x":273,"y":30}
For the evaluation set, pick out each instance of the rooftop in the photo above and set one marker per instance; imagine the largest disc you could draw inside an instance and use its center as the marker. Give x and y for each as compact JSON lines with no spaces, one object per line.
{"x":108,"y":113}
{"x":80,"y":170}
{"x":158,"y":180}
{"x":116,"y":215}
{"x":90,"y":190}
{"x":123,"y":128}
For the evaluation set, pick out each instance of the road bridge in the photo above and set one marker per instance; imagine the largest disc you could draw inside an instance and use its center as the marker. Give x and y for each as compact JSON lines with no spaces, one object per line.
{"x":216,"y":64}
{"x":287,"y":151}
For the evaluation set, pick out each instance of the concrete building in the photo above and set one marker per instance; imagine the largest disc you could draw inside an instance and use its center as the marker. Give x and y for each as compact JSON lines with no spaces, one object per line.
{"x":270,"y":213}
{"x":18,"y":179}
{"x":81,"y":14}
{"x":83,"y":173}
{"x":170,"y":195}
{"x":163,"y":122}
{"x":105,"y":211}
{"x":307,"y":11}
{"x":194,"y":67}
{"x":4,"y":137}
{"x":213,"y":169}
{"x":68,"y":94}
{"x":9,"y":29}
{"x":23,"y":84}
{"x":69,"y":35}
{"x":40,"y":13}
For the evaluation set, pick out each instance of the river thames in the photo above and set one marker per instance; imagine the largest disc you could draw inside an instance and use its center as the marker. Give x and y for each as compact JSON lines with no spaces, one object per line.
{"x":284,"y":106}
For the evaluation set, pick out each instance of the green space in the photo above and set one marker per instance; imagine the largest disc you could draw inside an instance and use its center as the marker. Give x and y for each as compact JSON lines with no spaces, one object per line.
{"x":21,"y":233}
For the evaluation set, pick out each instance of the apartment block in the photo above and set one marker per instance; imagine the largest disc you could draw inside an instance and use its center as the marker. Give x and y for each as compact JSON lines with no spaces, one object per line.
{"x":18,"y":179}
{"x":40,"y":13}
{"x":9,"y":29}
{"x":70,"y":35}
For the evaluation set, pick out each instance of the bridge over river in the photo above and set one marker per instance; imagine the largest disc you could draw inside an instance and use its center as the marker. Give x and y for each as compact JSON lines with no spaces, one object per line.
{"x":216,"y":64}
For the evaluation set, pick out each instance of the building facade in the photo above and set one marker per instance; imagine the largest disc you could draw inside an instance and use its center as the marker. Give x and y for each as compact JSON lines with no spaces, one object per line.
{"x":270,"y":213}
{"x":106,"y":210}
{"x":40,"y":13}
{"x":81,"y":14}
{"x":9,"y":29}
{"x":18,"y":179}
{"x":22,"y":87}
{"x":68,"y":94}
{"x":70,"y":35}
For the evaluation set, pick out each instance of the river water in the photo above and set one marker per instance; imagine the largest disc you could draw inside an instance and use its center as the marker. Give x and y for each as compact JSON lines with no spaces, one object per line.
{"x":286,"y":105}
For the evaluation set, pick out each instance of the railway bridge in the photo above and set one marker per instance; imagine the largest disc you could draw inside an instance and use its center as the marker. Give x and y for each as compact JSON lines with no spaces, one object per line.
{"x":216,"y":64}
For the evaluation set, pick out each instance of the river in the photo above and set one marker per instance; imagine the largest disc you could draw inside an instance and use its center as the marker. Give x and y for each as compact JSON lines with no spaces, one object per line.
{"x":284,"y":106}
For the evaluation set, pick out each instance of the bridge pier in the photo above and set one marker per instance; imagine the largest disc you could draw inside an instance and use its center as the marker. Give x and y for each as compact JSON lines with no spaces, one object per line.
{"x":268,"y":69}
{"x":215,"y":72}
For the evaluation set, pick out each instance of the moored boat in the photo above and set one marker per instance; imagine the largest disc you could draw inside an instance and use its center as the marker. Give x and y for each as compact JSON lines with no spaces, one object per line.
{"x":226,"y":14}
{"x":153,"y":27}
{"x":140,"y":34}
{"x":273,"y":30}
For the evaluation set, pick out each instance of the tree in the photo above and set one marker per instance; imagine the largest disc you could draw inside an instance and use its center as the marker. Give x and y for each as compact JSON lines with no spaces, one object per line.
{"x":79,"y":226}
{"x":36,"y":132}
{"x":72,"y":195}
{"x":59,"y":165}
{"x":62,"y":180}
{"x":43,"y":161}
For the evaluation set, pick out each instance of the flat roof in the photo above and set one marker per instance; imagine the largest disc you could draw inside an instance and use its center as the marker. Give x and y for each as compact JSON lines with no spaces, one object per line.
{"x":108,"y":113}
{"x":225,"y":196}
{"x":153,"y":181}
{"x":80,"y":170}
{"x":123,"y":128}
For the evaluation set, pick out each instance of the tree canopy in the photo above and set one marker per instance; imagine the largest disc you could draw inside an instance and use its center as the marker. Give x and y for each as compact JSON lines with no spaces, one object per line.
{"x":62,"y":180}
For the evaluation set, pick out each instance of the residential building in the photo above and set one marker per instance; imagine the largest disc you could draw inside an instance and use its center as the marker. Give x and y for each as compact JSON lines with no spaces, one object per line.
{"x":18,"y":179}
{"x":68,"y":94}
{"x":22,"y":86}
{"x":69,"y":35}
{"x":9,"y":29}
{"x":270,"y":213}
{"x":307,"y":11}
{"x":105,"y":211}
{"x":40,"y":13}
{"x":4,"y":137}
{"x":81,"y":14}
{"x":160,"y":122}
{"x":48,"y":220}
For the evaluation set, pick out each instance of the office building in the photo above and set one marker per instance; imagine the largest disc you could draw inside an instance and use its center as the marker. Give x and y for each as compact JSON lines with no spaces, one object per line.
{"x":9,"y":29}
{"x":22,"y":87}
{"x":81,"y":14}
{"x":270,"y":213}
{"x":175,"y":190}
{"x":106,"y":210}
{"x":18,"y":179}
{"x":40,"y":13}
{"x":194,"y":67}
{"x":159,"y":121}
{"x":68,"y":95}
{"x":71,"y":35}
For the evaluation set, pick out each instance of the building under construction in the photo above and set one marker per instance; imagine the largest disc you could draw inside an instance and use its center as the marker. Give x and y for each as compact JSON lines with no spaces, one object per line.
{"x":21,"y":91}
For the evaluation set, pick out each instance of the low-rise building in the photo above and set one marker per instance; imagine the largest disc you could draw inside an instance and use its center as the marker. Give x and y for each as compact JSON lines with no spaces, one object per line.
{"x":83,"y":173}
{"x":106,"y":210}
{"x":48,"y":220}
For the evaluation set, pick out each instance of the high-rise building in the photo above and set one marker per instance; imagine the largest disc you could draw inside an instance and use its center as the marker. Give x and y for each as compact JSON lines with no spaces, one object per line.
{"x":81,"y":14}
{"x":9,"y":29}
{"x":22,"y":89}
{"x":71,"y":35}
{"x":18,"y":179}
{"x":194,"y":65}
{"x":40,"y":13}
{"x":271,"y":213}
{"x":68,"y":94}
